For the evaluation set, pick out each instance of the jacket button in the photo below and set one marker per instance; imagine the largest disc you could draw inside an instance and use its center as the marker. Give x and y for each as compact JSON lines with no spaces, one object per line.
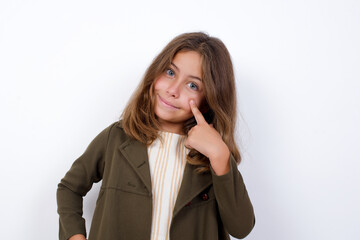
{"x":205,"y":197}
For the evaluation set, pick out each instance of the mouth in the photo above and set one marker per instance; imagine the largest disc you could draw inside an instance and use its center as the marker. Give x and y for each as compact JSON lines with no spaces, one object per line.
{"x":166,"y":103}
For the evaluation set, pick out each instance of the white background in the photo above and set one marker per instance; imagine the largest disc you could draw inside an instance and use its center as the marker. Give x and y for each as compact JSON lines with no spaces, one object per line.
{"x":67,"y":69}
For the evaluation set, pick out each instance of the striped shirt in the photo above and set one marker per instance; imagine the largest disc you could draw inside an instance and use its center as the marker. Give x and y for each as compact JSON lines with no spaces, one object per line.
{"x":167,"y":161}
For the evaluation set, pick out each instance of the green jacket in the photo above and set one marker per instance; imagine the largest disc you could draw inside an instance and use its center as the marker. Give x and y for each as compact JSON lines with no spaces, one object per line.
{"x":207,"y":207}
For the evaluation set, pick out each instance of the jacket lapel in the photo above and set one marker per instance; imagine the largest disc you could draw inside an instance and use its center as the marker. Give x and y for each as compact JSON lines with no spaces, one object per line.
{"x":137,"y":156}
{"x":192,"y":185}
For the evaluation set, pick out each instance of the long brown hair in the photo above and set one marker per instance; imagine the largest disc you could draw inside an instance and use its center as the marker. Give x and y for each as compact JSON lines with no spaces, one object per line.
{"x":139,"y":119}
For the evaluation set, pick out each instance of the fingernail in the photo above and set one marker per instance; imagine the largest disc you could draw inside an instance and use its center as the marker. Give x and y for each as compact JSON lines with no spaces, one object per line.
{"x":192,"y":102}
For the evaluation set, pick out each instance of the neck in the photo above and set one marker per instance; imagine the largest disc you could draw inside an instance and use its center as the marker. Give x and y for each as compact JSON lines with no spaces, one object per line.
{"x":173,"y":128}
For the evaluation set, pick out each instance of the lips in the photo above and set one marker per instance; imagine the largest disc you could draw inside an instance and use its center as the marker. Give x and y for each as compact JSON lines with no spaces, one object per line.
{"x":166,"y":103}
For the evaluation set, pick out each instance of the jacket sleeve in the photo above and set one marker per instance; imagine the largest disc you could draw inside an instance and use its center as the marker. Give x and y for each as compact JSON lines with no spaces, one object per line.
{"x":236,"y":210}
{"x":86,"y":170}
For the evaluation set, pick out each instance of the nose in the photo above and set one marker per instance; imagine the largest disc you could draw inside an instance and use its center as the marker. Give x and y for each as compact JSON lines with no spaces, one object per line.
{"x":174,"y":89}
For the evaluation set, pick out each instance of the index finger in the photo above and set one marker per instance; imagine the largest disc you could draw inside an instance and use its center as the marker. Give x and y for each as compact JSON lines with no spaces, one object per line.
{"x":197,"y":114}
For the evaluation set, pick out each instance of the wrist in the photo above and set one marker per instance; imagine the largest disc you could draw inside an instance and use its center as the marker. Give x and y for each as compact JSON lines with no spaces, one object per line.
{"x":220,"y":160}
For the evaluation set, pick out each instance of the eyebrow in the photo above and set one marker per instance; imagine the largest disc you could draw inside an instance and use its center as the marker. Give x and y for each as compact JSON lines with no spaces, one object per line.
{"x":173,"y":64}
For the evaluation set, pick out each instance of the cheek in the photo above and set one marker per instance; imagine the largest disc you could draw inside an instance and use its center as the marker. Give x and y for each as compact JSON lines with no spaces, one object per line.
{"x":198,"y":101}
{"x":159,"y":84}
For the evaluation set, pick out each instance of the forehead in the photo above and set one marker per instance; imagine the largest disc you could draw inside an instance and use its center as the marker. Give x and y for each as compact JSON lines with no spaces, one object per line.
{"x":189,"y":62}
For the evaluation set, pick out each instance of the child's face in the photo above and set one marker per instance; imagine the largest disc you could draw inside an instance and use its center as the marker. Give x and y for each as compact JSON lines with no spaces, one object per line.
{"x":174,"y":89}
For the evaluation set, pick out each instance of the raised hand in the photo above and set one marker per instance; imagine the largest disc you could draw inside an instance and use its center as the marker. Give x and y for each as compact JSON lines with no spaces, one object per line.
{"x":204,"y":138}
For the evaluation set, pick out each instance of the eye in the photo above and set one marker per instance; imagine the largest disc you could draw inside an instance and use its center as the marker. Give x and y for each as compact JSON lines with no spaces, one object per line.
{"x":193,"y":86}
{"x":170,"y":72}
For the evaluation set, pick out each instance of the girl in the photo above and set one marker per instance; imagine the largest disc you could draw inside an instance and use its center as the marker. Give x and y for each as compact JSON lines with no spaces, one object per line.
{"x":169,"y":165}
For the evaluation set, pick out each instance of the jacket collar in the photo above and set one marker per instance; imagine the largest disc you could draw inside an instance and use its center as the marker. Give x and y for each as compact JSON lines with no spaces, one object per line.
{"x":136,"y":154}
{"x":192,"y":183}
